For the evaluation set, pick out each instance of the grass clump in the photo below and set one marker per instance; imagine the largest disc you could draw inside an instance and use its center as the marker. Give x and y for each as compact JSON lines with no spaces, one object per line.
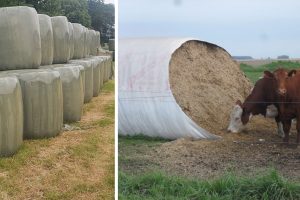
{"x":157,"y":185}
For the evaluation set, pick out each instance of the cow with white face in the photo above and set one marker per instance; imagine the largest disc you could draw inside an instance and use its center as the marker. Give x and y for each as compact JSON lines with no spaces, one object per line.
{"x":262,"y":100}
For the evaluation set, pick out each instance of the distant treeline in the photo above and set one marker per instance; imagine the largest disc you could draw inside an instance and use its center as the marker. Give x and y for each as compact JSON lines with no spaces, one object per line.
{"x":94,"y":14}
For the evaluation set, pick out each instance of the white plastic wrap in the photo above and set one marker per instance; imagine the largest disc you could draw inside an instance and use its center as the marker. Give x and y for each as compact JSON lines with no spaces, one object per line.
{"x":42,"y":102}
{"x":20,"y":42}
{"x":78,"y":41}
{"x":46,"y":39}
{"x":96,"y":75}
{"x":61,"y":37}
{"x":11,"y":115}
{"x":94,"y":46}
{"x":72,"y":90}
{"x":71,"y":29}
{"x":88,"y":85}
{"x":146,"y":103}
{"x":86,"y":45}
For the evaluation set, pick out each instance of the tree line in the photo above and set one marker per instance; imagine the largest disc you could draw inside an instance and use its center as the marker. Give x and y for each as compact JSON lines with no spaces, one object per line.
{"x":93,"y":14}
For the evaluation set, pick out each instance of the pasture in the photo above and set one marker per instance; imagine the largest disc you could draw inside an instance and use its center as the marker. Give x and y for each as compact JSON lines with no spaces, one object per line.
{"x":238,"y":166}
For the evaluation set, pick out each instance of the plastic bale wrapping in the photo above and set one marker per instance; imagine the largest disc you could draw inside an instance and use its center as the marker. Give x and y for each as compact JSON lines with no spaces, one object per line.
{"x":176,"y":87}
{"x":98,"y":40}
{"x":101,"y":63}
{"x":96,"y":75}
{"x":42,"y":102}
{"x":111,"y":44}
{"x":88,"y":85}
{"x":72,"y":86}
{"x":78,"y":41}
{"x":46,"y":39}
{"x":85,"y":54}
{"x":93,"y":46}
{"x":61,"y":36}
{"x":71,"y":29}
{"x":20,"y":42}
{"x":11,"y":115}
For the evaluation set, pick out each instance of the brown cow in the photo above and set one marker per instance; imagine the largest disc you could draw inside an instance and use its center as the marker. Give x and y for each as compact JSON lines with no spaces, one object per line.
{"x":288,"y":92}
{"x":262,"y":100}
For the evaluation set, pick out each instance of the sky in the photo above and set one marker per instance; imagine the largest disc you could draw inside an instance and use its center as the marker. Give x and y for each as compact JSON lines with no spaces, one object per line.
{"x":257,"y":28}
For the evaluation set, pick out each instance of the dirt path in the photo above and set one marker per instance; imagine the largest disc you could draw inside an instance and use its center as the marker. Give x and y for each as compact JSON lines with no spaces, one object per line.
{"x":77,"y":164}
{"x":210,"y":159}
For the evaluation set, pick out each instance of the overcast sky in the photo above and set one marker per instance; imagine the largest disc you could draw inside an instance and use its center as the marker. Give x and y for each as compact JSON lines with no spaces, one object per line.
{"x":258,"y":28}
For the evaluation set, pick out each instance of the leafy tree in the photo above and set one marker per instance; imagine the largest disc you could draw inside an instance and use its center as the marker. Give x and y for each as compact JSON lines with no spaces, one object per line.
{"x":76,"y":11}
{"x":103,"y":18}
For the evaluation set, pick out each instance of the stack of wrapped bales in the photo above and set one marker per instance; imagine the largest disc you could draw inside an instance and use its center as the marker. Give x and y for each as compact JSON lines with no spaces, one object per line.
{"x":39,"y":90}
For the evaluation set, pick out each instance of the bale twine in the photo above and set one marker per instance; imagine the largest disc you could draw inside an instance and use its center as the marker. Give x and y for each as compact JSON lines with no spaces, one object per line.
{"x":42,"y":102}
{"x":78,"y":41}
{"x":20,"y":42}
{"x":46,"y":39}
{"x":11,"y":115}
{"x":61,"y":36}
{"x":72,"y":86}
{"x":88,"y":86}
{"x":71,"y":29}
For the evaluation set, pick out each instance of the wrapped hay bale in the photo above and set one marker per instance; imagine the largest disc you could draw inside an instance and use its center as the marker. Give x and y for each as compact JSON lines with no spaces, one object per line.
{"x":42,"y":102}
{"x":111,"y":44}
{"x":94,"y":45}
{"x":88,"y":85}
{"x":46,"y":39}
{"x":85,"y":31}
{"x":71,"y":29}
{"x":20,"y":42}
{"x":96,"y":75}
{"x":177,"y":87}
{"x":72,"y":86}
{"x":11,"y":115}
{"x":78,"y":41}
{"x":61,"y":36}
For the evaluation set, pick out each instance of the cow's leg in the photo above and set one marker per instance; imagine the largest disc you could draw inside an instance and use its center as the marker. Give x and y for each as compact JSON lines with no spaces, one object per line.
{"x":280,"y":131}
{"x":286,"y":128}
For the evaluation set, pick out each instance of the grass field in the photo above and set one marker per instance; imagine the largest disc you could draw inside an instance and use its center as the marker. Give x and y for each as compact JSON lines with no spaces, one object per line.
{"x":142,"y":178}
{"x":77,"y":164}
{"x":253,"y":73}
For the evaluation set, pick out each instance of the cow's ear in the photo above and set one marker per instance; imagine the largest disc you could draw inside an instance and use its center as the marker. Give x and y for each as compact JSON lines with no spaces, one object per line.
{"x":292,"y":73}
{"x":239,"y":103}
{"x":268,"y":74}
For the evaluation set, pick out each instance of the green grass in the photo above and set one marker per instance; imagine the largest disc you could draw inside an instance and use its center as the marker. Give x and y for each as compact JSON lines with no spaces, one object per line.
{"x":109,"y":87}
{"x":253,"y":73}
{"x":157,"y":185}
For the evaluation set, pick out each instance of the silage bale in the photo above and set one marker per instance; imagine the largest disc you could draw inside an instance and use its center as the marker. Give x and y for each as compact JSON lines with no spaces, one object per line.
{"x":46,"y":39}
{"x":72,"y":87}
{"x":71,"y":29}
{"x":85,"y":54}
{"x":94,"y":45}
{"x":61,"y":36}
{"x":11,"y":115}
{"x":88,"y":87}
{"x":98,"y":40}
{"x":111,"y":44}
{"x":42,"y":102}
{"x":177,"y":87}
{"x":20,"y":42}
{"x":96,"y":75}
{"x":78,"y":41}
